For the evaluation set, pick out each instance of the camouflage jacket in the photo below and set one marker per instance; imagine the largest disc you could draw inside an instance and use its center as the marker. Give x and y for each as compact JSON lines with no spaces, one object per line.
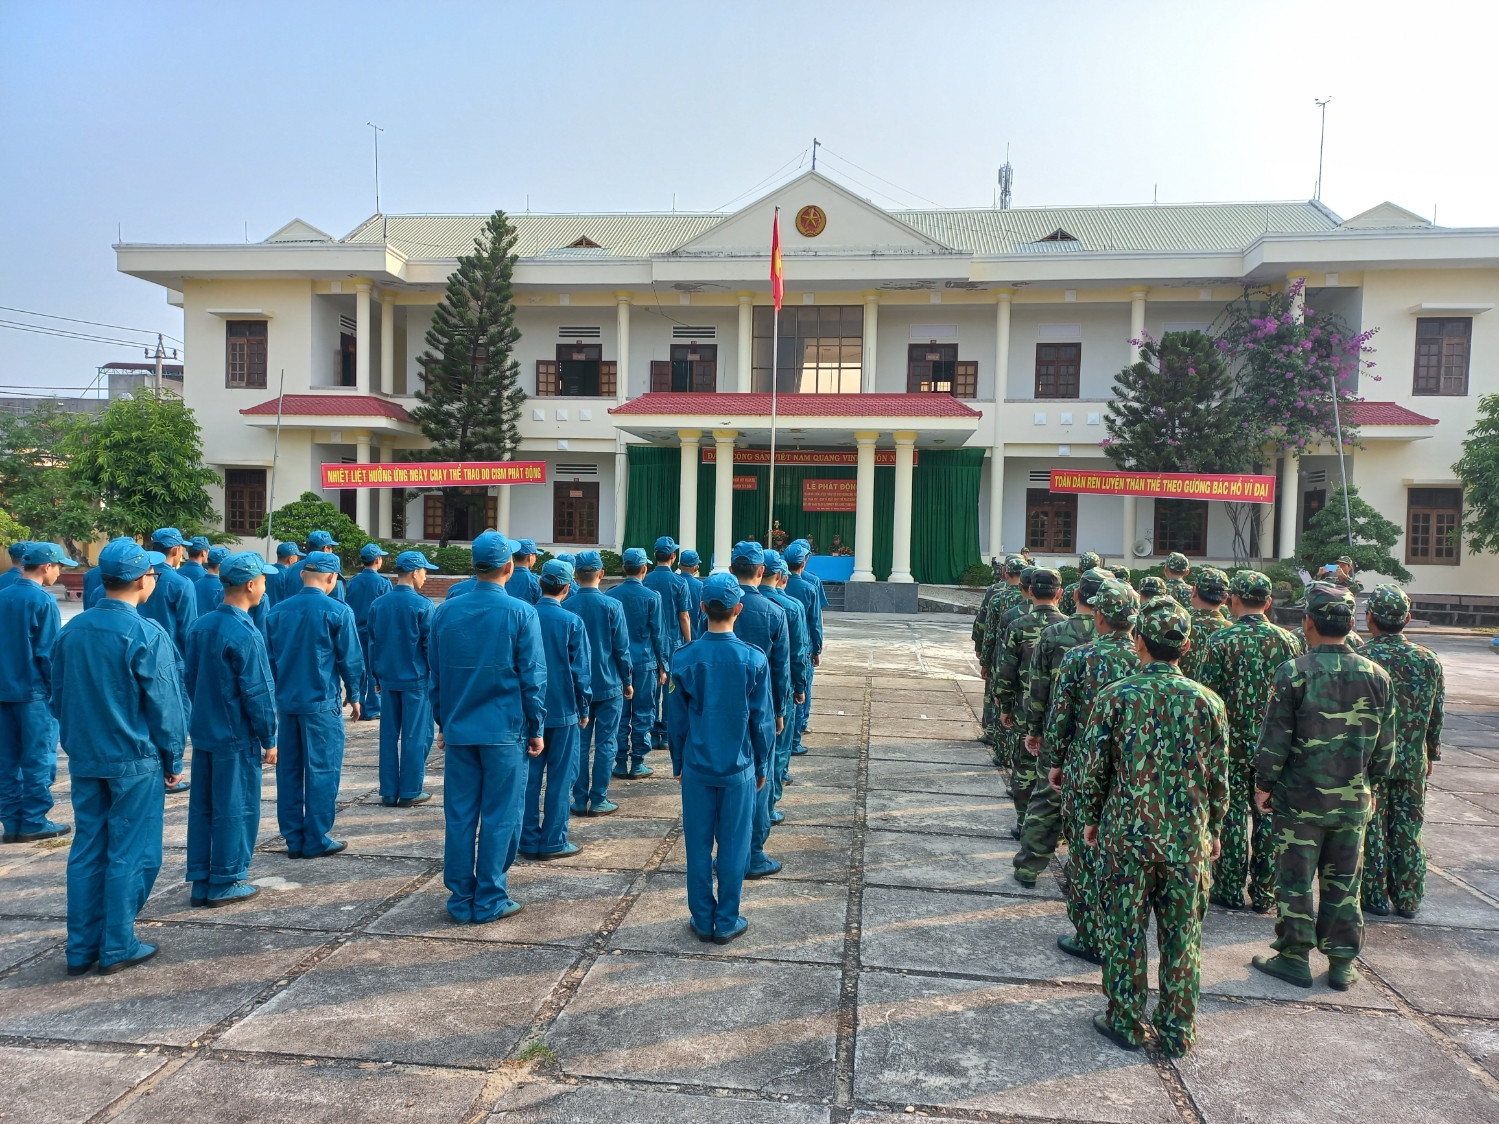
{"x":1352,"y":640}
{"x":1084,"y":670}
{"x":1068,"y":603}
{"x":1329,"y":730}
{"x":1181,"y":590}
{"x":1205,"y":622}
{"x":981,"y":618}
{"x":1003,"y":619}
{"x":1010,"y":679}
{"x":1419,"y":698}
{"x":1046,"y":661}
{"x":1239,"y":663}
{"x":1152,"y":774}
{"x":1004,"y":598}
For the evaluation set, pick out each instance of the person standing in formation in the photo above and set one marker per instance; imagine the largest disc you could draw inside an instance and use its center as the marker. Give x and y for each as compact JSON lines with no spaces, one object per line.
{"x":196,"y":563}
{"x":687,"y":567}
{"x":773,"y":586}
{"x":1020,"y":603}
{"x":365,"y":588}
{"x":977,"y":633}
{"x":649,"y":652}
{"x":1087,"y":560}
{"x":676,"y":617}
{"x":288,"y":554}
{"x":173,"y":604}
{"x":523,"y":582}
{"x":612,"y":678}
{"x":1000,"y":598}
{"x":1011,"y":681}
{"x":208,"y":591}
{"x":800,"y":585}
{"x":1177,"y":569}
{"x":400,"y":639}
{"x":1209,"y":592}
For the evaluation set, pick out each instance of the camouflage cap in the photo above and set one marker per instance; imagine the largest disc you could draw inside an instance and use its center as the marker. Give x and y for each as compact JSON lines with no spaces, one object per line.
{"x":1211,"y":583}
{"x":1333,"y":602}
{"x":1344,"y":560}
{"x":1090,"y":583}
{"x":1120,"y":572}
{"x":1087,"y":560}
{"x":1152,"y":586}
{"x":1117,"y":602}
{"x":1045,"y":582}
{"x":1176,"y":563}
{"x":1026,"y":573}
{"x":1251,"y":585}
{"x":1163,"y":621}
{"x":1014,"y":564}
{"x":1388,"y":604}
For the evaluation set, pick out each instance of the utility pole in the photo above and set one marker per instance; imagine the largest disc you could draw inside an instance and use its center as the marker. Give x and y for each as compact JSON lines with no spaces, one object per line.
{"x":1321,"y":142}
{"x":378,"y":131}
{"x":160,"y":355}
{"x":815,"y":143}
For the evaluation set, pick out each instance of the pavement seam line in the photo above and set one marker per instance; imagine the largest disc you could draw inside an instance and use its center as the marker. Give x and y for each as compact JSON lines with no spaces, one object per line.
{"x":847,"y":1016}
{"x":1432,"y":1029}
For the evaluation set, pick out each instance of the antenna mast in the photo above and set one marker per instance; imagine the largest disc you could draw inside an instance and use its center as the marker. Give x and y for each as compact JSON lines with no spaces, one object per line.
{"x":815,"y":143}
{"x":1006,"y":181}
{"x":378,"y":131}
{"x":1321,"y":142}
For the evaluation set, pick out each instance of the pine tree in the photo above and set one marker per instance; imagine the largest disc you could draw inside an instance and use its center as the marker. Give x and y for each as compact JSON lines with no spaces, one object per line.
{"x":470,"y":405}
{"x":1328,"y":533}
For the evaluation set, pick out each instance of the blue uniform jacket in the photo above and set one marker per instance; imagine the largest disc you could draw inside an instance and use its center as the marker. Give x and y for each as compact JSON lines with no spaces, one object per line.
{"x":116,"y":694}
{"x":822,"y":597}
{"x":800,"y":587}
{"x":525,"y":585}
{"x":10,"y":577}
{"x":191,"y":571}
{"x":364,"y":588}
{"x":796,"y":631}
{"x":720,"y":723}
{"x":173,"y":604}
{"x":695,"y":605}
{"x":643,"y":621}
{"x":608,"y":640}
{"x":273,"y":585}
{"x":29,"y":623}
{"x":313,"y":642}
{"x":400,"y":631}
{"x":229,"y":683}
{"x":569,"y":663}
{"x":669,"y":586}
{"x":762,"y":623}
{"x":458,"y":589}
{"x":489,"y":671}
{"x":93,"y":587}
{"x":289,"y":584}
{"x":208,"y":591}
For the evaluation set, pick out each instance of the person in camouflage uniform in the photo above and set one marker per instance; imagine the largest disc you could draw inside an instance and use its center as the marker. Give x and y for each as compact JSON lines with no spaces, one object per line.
{"x":1177,"y":569}
{"x":1329,"y":732}
{"x":1152,"y":586}
{"x":1001,"y":598}
{"x":1121,"y":573}
{"x":1209,"y":592}
{"x":1394,"y":861}
{"x":1042,"y":821}
{"x":980,"y":624}
{"x":1345,"y":576}
{"x":1010,"y":679}
{"x":1087,"y":560}
{"x":1006,"y":738}
{"x":1084,"y":670}
{"x":1152,"y":798}
{"x":1239,"y":665}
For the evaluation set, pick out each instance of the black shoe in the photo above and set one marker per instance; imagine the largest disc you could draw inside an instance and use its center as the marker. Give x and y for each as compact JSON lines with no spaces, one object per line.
{"x":1101,"y":1024}
{"x":1015,"y":832}
{"x":121,"y":965}
{"x":82,"y":969}
{"x":706,"y":938}
{"x":333,"y":848}
{"x":734,"y":934}
{"x":11,"y":837}
{"x":1074,"y":947}
{"x":1025,"y":880}
{"x":1377,"y":910}
{"x":1229,"y":904}
{"x":420,"y":798}
{"x":53,"y":832}
{"x":1261,"y":909}
{"x":1408,"y":914}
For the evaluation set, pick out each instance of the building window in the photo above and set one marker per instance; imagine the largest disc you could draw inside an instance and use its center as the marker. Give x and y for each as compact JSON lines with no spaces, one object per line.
{"x":692,"y":369}
{"x":244,"y":500}
{"x":821,"y":349}
{"x":1050,"y":521}
{"x":465,"y":515}
{"x":1432,"y":519}
{"x":1311,"y":503}
{"x":1181,"y":526}
{"x":1442,"y":346}
{"x":575,"y":511}
{"x":579,"y":371}
{"x":347,"y":352}
{"x":246,"y":353}
{"x":936,"y":369}
{"x":1057,"y":366}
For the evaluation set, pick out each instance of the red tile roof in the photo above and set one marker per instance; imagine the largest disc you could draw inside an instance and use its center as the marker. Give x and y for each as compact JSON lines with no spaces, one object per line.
{"x":332,"y":406}
{"x":1383,"y":413}
{"x":802,"y":405}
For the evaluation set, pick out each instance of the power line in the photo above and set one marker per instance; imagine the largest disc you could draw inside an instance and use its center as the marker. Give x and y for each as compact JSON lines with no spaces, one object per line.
{"x":63,"y":333}
{"x":844,"y":159}
{"x":95,"y":323}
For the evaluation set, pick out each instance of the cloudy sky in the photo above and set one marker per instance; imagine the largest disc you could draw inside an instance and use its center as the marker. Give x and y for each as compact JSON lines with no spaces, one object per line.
{"x":209,"y":123}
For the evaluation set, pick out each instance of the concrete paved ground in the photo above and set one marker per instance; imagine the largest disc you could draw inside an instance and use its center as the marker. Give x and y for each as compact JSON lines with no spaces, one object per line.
{"x":894,"y":968}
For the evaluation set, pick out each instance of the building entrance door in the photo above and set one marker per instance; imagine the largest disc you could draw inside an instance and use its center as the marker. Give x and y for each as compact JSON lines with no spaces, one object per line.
{"x":575,"y":512}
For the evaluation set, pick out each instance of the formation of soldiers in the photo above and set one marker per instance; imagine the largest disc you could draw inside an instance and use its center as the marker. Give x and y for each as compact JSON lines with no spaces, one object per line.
{"x":1189,"y":750}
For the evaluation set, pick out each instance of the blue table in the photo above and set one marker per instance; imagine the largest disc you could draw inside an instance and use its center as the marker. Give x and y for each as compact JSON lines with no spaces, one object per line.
{"x":832,"y":567}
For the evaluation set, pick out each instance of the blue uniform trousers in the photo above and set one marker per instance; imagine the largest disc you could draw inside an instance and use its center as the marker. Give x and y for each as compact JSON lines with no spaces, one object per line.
{"x":721,"y":814}
{"x":639,"y":719}
{"x":804,"y":709}
{"x":309,"y":761}
{"x":405,"y":743}
{"x":483,"y":786}
{"x":544,"y":825}
{"x":28,"y":764}
{"x":591,"y":780}
{"x":369,"y":698}
{"x":763,"y":799}
{"x":785,"y":741}
{"x":112,"y":864}
{"x":223,"y":814}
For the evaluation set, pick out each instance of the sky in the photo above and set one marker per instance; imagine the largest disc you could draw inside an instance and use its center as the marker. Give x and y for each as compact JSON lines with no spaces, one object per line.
{"x":164,"y":122}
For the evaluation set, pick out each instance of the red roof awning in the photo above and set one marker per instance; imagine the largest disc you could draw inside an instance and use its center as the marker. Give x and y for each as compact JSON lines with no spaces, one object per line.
{"x":1382,"y":413}
{"x":801,"y":405}
{"x":331,"y":406}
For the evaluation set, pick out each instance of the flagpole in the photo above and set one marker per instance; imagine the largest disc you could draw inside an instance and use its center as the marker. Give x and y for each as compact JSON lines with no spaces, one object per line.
{"x":775,"y":343}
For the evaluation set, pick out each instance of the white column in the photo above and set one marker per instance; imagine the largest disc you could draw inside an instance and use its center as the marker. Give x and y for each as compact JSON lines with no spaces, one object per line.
{"x":362,"y":495}
{"x":386,"y":497}
{"x":387,"y":343}
{"x":871,"y":341}
{"x":1290,"y":502}
{"x":687,"y":491}
{"x":622,"y":369}
{"x":905,"y":455}
{"x":1001,"y":388}
{"x":864,"y":498}
{"x":1136,"y":320}
{"x":723,"y":498}
{"x":502,"y":508}
{"x":744,"y":371}
{"x":1267,"y":525}
{"x":1129,"y":519}
{"x":621,"y":491}
{"x":1298,"y":302}
{"x":362,"y":337}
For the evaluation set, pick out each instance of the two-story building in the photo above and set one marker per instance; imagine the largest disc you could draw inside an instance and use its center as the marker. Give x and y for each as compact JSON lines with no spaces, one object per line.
{"x":931,"y":367}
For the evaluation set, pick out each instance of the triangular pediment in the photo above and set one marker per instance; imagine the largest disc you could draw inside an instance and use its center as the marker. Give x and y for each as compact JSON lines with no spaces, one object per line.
{"x":1385,"y":216}
{"x":299,"y":231}
{"x":818,"y":216}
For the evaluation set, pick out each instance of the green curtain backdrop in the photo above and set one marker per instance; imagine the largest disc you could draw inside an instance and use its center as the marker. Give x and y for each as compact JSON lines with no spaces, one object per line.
{"x":655,"y":483}
{"x":944,"y":514}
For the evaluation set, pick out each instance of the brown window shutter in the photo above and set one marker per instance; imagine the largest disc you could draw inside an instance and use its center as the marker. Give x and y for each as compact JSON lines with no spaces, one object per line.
{"x":705,"y":376}
{"x":965,"y":383}
{"x":660,"y":376}
{"x":918,"y":376}
{"x":608,"y":377}
{"x":546,"y":378}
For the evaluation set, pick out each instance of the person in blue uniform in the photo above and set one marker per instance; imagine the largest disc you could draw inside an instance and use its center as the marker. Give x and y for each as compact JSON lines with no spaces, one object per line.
{"x":288,"y":554}
{"x":676,"y":616}
{"x":543,"y":833}
{"x":612,"y":679}
{"x":523,"y":582}
{"x":458,"y":589}
{"x":93,"y":587}
{"x":173,"y":605}
{"x":648,"y":657}
{"x":400,"y":630}
{"x":116,"y":695}
{"x":489,"y":684}
{"x":720,"y":725}
{"x":195,"y":564}
{"x":773,"y":586}
{"x":29,"y":624}
{"x":761,"y":623}
{"x":208,"y":590}
{"x":233,"y":727}
{"x":313,"y":644}
{"x":364,"y":588}
{"x":289,"y":584}
{"x":17,"y":552}
{"x":802,"y":584}
{"x":688,"y":563}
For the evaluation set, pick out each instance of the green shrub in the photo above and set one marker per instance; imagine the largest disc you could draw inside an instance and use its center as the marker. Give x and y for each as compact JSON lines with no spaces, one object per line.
{"x":978,"y":575}
{"x":1069,"y":575}
{"x":614,"y":566}
{"x":1284,"y":574}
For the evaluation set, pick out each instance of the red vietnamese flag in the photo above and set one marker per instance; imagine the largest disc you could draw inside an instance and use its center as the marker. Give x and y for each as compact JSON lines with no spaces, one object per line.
{"x":777,"y":284}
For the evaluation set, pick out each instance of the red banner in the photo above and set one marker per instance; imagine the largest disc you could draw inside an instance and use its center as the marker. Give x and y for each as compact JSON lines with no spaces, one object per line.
{"x":433,"y":474}
{"x":1165,"y":485}
{"x":830,"y":495}
{"x":883,"y":458}
{"x":746,"y":483}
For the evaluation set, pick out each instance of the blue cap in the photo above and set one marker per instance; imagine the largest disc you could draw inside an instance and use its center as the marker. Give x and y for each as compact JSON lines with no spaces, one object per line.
{"x":197,"y":543}
{"x":774,"y":563}
{"x":557,"y":572}
{"x":18,"y":550}
{"x":749,"y":551}
{"x":666,"y":545}
{"x":689,"y":558}
{"x":320,"y":540}
{"x":588,"y":560}
{"x":125,"y":560}
{"x":370,"y":551}
{"x":323,"y":562}
{"x":217,"y":554}
{"x":524,"y":546}
{"x":492,"y":549}
{"x":288,"y":550}
{"x":635,"y":556}
{"x":41,"y":553}
{"x":168,"y":537}
{"x":409,"y":560}
{"x":796,"y":553}
{"x":723,"y":590}
{"x":570,"y":559}
{"x":242,"y":566}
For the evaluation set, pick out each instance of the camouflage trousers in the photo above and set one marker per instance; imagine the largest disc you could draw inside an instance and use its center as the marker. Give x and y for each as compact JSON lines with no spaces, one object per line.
{"x":1176,"y":893}
{"x":1084,"y":875}
{"x":1249,"y":842}
{"x":1333,"y":857}
{"x":1042,"y":827}
{"x":1394,"y":860}
{"x":989,"y":734}
{"x":1022,"y":776}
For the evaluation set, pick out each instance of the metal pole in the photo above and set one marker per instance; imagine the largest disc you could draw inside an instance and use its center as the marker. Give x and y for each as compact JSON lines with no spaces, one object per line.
{"x":775,"y":339}
{"x":378,"y":131}
{"x":160,"y":354}
{"x":1321,"y":141}
{"x":270,"y":503}
{"x":1342,"y":465}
